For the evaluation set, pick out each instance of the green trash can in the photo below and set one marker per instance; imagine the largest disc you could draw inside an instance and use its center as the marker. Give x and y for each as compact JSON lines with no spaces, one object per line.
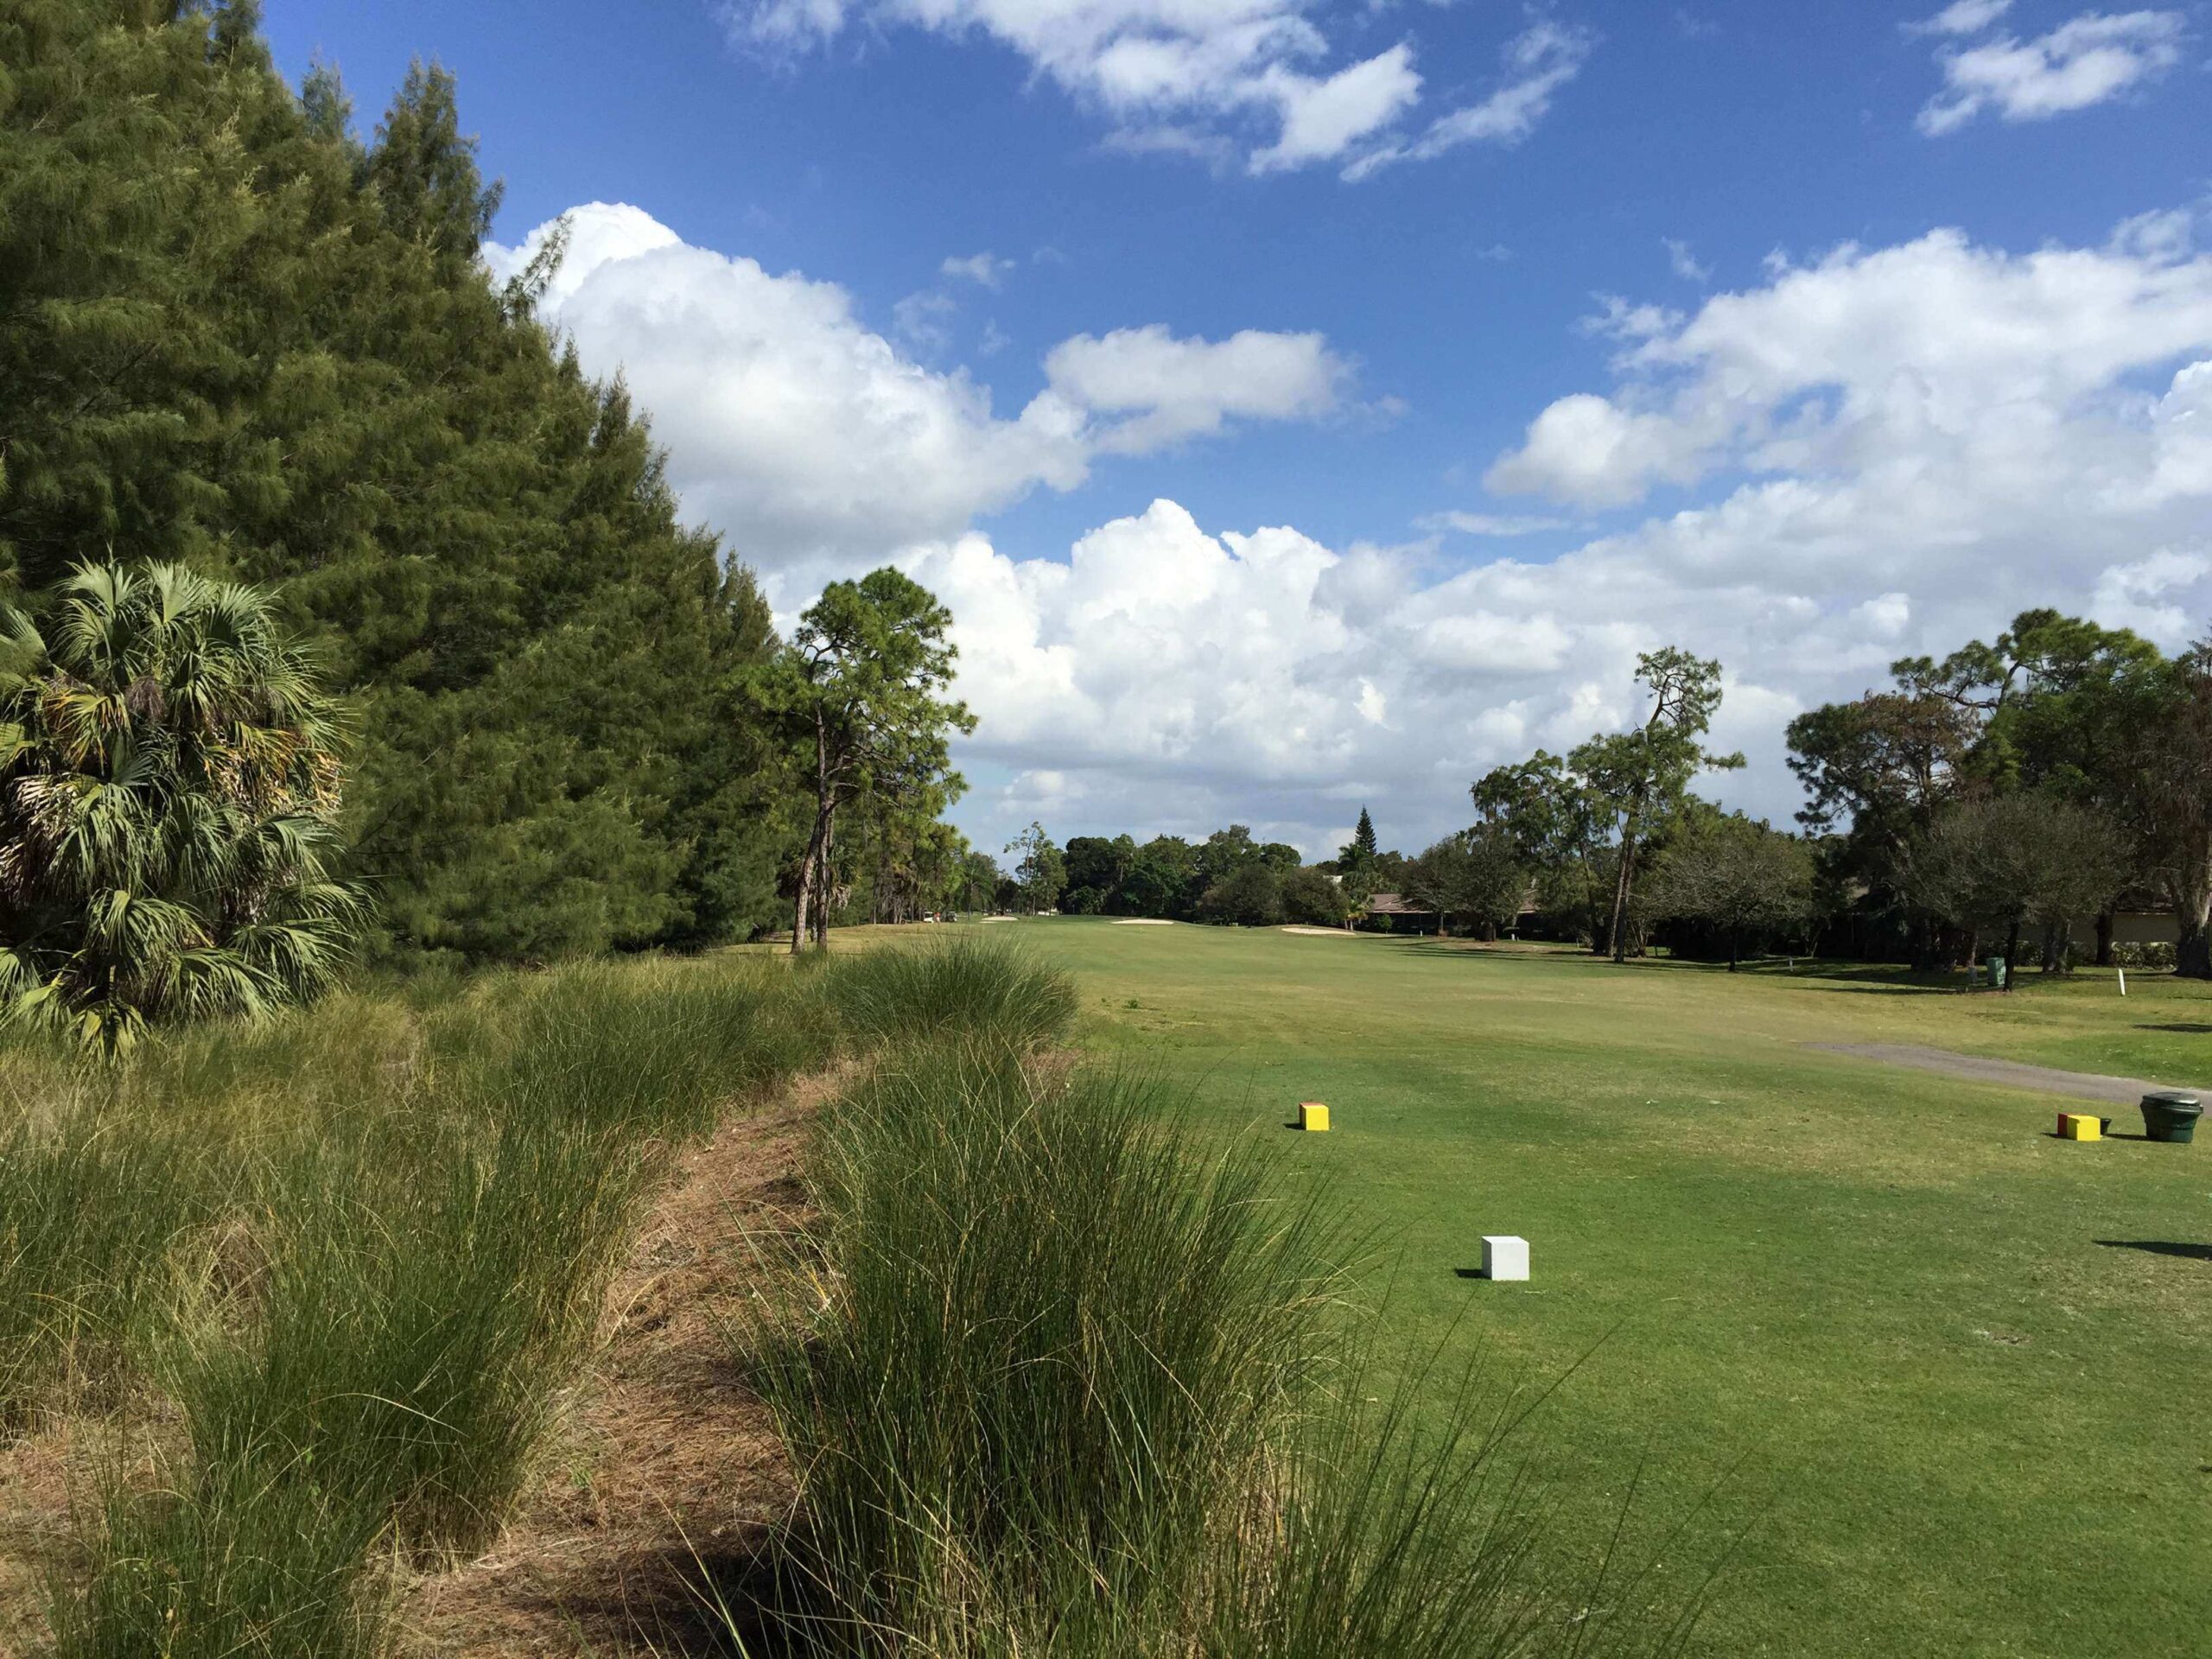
{"x":2171,"y":1117}
{"x":1997,"y":972}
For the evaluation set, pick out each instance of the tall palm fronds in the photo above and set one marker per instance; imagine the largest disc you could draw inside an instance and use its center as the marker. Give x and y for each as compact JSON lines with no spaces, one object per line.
{"x":170,"y":783}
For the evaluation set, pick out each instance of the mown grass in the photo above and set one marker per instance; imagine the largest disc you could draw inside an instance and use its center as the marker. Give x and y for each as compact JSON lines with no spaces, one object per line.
{"x":1945,"y":1348}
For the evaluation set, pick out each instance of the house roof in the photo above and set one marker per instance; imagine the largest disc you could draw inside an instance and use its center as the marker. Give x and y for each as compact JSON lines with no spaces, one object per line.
{"x":1394,"y":904}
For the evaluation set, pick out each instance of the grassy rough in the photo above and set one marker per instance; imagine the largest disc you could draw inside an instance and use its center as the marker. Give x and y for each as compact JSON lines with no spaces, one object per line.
{"x":365,"y":1291}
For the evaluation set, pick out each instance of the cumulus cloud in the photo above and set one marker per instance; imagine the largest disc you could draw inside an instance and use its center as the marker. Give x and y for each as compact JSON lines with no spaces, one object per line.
{"x":1902,"y":357}
{"x":2093,"y":59}
{"x":1166,"y":390}
{"x":1900,"y":450}
{"x":806,"y":434}
{"x":1883,"y":452}
{"x":1207,"y":78}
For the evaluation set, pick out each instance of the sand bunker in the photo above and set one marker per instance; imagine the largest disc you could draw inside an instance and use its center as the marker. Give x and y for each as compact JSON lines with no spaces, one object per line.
{"x":1325,"y":932}
{"x":1142,"y":921}
{"x":986,"y":919}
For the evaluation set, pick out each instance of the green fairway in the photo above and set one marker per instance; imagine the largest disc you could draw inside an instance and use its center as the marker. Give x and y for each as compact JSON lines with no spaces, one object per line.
{"x":1880,"y":1296}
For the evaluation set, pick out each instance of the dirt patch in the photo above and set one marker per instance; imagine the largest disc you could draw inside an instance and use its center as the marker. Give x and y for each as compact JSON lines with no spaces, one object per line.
{"x":667,"y":1458}
{"x":2009,"y":1074}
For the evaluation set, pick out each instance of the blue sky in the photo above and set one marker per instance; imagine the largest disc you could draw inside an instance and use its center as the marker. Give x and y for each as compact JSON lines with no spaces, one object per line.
{"x":1802,"y":335}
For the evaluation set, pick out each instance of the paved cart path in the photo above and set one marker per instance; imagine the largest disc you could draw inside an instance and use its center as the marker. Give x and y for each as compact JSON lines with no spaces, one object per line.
{"x":1976,"y":1068}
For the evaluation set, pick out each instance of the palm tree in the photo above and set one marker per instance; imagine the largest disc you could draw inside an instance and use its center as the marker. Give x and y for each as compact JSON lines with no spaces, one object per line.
{"x":168,"y":790}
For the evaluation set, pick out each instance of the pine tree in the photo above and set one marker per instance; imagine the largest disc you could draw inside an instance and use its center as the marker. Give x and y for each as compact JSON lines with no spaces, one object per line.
{"x":1363,"y":839}
{"x":235,"y":337}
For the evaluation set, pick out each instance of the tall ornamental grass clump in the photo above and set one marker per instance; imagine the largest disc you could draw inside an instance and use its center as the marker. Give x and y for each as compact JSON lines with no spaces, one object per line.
{"x":372,"y":1347}
{"x":90,"y":1209}
{"x":1061,"y":1381}
{"x":404,"y":1341}
{"x":1041,"y":1352}
{"x":240,"y":1558}
{"x":964,"y":985}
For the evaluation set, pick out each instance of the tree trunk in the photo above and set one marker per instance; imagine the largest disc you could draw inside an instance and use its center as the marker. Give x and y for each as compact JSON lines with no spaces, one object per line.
{"x":1735,"y":947}
{"x":2104,"y":938}
{"x":2193,"y":952}
{"x":1618,"y":931}
{"x":806,"y":869}
{"x":2192,"y":909}
{"x":2012,"y":955}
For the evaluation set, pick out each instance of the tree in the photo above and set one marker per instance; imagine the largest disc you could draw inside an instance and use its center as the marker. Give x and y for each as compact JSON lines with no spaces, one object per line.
{"x":237,"y":337}
{"x":1098,"y":872}
{"x":169,"y":788}
{"x":1040,"y":870}
{"x":1250,"y":896}
{"x":2162,"y":751}
{"x":977,"y":881}
{"x":2007,"y":860}
{"x":1363,"y":847}
{"x":1161,"y":880}
{"x":1311,"y":897}
{"x":1476,"y":874}
{"x":1556,"y":824}
{"x":1736,"y":874}
{"x":860,"y":690}
{"x":1641,"y":777}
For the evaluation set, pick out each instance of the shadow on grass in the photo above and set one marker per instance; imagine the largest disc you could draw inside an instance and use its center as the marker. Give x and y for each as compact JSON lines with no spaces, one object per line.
{"x":2159,"y":1247}
{"x":2186,"y":1030}
{"x":688,"y":1603}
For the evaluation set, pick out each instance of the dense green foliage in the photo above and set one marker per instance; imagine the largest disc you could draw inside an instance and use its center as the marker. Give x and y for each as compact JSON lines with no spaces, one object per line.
{"x":2058,"y":710}
{"x":861,"y":697}
{"x":234,"y":336}
{"x":168,"y":790}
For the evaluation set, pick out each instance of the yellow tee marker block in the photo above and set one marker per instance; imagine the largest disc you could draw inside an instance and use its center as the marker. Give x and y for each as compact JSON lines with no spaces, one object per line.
{"x":2079,"y":1126}
{"x":1312,"y":1117}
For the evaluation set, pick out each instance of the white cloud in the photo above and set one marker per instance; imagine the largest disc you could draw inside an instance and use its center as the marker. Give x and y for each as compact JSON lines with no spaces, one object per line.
{"x":1902,"y":356}
{"x":1683,"y":261}
{"x":1492,"y":523}
{"x":1167,"y":389}
{"x":1323,"y":118}
{"x":1962,"y":17}
{"x":1886,"y":451}
{"x":2095,"y":57}
{"x":1912,"y":444}
{"x":805,"y":436}
{"x":1539,"y":61}
{"x":986,"y":268}
{"x":1206,"y":77}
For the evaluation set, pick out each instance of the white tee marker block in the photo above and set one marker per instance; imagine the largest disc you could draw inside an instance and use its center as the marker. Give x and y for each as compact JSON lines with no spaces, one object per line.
{"x":1504,"y":1256}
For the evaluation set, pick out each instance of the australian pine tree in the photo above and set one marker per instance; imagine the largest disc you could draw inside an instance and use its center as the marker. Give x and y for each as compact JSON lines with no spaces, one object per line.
{"x":236,"y":334}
